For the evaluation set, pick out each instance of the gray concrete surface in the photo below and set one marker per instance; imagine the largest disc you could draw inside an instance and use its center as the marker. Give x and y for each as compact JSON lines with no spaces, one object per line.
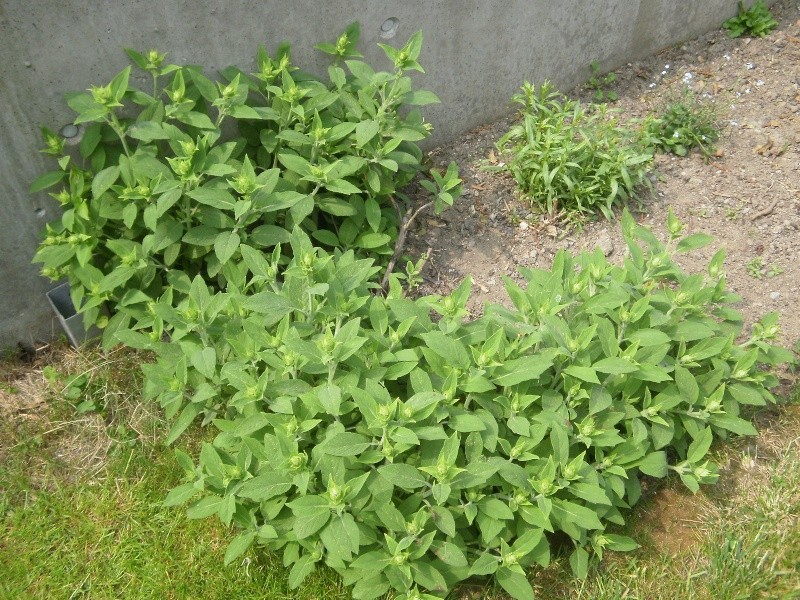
{"x":476,"y":54}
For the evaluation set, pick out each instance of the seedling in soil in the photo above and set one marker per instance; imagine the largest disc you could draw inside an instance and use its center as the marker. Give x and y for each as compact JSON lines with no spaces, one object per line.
{"x":757,"y":269}
{"x":600,"y":84}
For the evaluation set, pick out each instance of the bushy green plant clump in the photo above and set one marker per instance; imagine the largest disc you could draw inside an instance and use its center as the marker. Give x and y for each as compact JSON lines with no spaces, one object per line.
{"x":409,"y":452}
{"x":684,"y":124}
{"x":172,"y":183}
{"x":754,"y":21}
{"x":564,"y":157}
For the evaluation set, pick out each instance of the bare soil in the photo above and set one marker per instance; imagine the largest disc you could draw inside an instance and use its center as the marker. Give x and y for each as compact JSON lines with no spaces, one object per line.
{"x":747,"y":195}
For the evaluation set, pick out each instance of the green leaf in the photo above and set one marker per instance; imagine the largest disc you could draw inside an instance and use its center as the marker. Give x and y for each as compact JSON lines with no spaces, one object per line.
{"x":187,"y":416}
{"x":450,"y":554}
{"x":365,"y":131}
{"x":734,"y":424}
{"x":265,"y":486}
{"x":205,"y":507}
{"x":569,"y":512}
{"x":301,"y":569}
{"x":515,"y":583}
{"x":239,"y":545}
{"x":695,"y":241}
{"x":654,"y":464}
{"x":342,"y":186}
{"x":444,"y":520}
{"x":699,"y":447}
{"x":370,"y":240}
{"x":341,"y":537}
{"x":403,"y":475}
{"x":216,"y":197}
{"x":181,"y":494}
{"x":46,"y":180}
{"x":346,"y":444}
{"x":649,"y":337}
{"x":196,"y":119}
{"x":373,"y":213}
{"x":614,"y":366}
{"x":421,"y":98}
{"x":448,"y":348}
{"x":104,"y":180}
{"x":587,"y":374}
{"x":522,"y":369}
{"x":202,"y":235}
{"x":225,"y":245}
{"x":579,"y":561}
{"x":205,"y":361}
{"x":312,"y":513}
{"x":485,"y":564}
{"x":620,"y":543}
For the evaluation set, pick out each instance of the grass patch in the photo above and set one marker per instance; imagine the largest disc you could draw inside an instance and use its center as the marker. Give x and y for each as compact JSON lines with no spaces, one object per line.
{"x":67,"y":531}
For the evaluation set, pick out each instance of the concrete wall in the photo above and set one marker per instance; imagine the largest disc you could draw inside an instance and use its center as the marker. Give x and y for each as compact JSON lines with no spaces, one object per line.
{"x":476,"y":54}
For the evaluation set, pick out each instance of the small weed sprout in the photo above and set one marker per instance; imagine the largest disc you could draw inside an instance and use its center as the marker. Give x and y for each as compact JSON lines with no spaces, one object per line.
{"x":600,"y":84}
{"x":758,"y":270}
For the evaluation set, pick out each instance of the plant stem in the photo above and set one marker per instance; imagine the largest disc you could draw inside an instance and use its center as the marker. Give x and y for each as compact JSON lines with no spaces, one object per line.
{"x":405,"y":225}
{"x":115,"y":125}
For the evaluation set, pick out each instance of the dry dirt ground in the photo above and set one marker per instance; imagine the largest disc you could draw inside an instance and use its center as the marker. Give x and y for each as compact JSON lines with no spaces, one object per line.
{"x":747,"y":196}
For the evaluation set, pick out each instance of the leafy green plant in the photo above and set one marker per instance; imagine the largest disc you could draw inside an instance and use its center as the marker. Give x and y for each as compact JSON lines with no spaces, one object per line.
{"x":754,"y":21}
{"x":600,"y":84}
{"x":565,"y":158}
{"x":171,"y":183}
{"x":685,"y":123}
{"x":409,"y":452}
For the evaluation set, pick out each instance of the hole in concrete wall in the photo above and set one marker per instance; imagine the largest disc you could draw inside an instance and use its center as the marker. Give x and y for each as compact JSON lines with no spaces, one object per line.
{"x":40,"y":212}
{"x":72,"y":134}
{"x":389,"y":28}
